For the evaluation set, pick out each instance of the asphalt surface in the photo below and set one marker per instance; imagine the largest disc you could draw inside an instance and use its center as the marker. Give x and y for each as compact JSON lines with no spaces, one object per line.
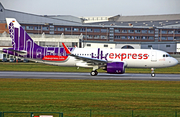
{"x":100,"y":76}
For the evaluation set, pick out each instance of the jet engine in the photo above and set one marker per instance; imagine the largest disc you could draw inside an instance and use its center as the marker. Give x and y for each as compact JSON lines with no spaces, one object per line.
{"x":115,"y":68}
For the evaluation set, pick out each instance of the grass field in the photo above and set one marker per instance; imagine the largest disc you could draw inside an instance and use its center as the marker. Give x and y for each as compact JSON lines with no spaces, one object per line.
{"x":50,"y":68}
{"x":84,"y":98}
{"x":102,"y":97}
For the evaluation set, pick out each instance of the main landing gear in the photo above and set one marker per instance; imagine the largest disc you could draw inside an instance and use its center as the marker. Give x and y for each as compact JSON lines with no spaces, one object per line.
{"x":94,"y":73}
{"x":152,"y":72}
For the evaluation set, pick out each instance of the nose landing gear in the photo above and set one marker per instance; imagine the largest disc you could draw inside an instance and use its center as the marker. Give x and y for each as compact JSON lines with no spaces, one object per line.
{"x":152,"y":72}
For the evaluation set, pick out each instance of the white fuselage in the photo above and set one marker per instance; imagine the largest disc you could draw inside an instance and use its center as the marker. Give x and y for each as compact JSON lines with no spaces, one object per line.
{"x":133,"y":58}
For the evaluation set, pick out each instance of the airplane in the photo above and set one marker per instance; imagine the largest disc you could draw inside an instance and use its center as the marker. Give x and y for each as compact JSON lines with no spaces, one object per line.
{"x":114,"y":61}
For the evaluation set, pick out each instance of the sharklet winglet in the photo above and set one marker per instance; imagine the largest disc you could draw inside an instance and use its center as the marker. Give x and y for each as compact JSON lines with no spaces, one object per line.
{"x":66,"y":49}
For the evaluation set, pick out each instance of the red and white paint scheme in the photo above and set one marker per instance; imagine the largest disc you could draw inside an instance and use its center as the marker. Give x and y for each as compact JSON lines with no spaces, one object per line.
{"x":114,"y":61}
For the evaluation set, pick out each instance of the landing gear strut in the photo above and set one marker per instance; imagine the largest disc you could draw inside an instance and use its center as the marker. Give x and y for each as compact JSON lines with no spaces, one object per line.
{"x":152,"y":72}
{"x":94,"y":73}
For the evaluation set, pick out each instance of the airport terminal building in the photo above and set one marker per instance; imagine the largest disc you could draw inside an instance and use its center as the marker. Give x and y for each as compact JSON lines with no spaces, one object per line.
{"x":145,"y":32}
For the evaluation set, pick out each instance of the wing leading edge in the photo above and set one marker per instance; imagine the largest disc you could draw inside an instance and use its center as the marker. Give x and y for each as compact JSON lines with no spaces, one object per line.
{"x":85,"y":59}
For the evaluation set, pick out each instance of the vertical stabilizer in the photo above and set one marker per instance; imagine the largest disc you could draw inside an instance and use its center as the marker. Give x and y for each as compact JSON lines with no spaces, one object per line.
{"x":20,"y":39}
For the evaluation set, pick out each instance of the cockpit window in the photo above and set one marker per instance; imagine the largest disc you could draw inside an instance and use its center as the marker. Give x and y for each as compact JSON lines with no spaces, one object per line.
{"x":166,"y":55}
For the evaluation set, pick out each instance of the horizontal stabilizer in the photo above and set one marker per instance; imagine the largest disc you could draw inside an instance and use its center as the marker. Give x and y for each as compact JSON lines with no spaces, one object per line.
{"x":19,"y":52}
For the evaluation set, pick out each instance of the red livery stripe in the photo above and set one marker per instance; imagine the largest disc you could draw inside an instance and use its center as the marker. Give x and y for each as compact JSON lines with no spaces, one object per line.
{"x":55,"y":58}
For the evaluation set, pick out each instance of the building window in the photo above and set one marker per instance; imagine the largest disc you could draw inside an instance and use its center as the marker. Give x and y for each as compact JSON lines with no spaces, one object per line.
{"x":89,"y":30}
{"x":82,"y":30}
{"x":149,"y":46}
{"x":37,"y":28}
{"x":151,"y":38}
{"x":130,"y":37}
{"x":89,"y":45}
{"x":117,"y":30}
{"x":151,"y":31}
{"x":117,"y":37}
{"x":124,"y":31}
{"x":137,"y":31}
{"x":163,"y":38}
{"x":144,"y":37}
{"x":103,"y":30}
{"x":177,"y":38}
{"x":96,"y":36}
{"x":170,"y":31}
{"x":105,"y":45}
{"x":67,"y":29}
{"x":131,"y":31}
{"x":89,"y":36}
{"x":96,"y":30}
{"x":123,"y":37}
{"x":29,"y":27}
{"x":137,"y":37}
{"x":168,"y":46}
{"x":144,"y":31}
{"x":21,"y":26}
{"x":60,"y":29}
{"x":45,"y":28}
{"x":75,"y":29}
{"x":170,"y":38}
{"x":177,"y":32}
{"x":111,"y":35}
{"x":164,"y":32}
{"x":103,"y":37}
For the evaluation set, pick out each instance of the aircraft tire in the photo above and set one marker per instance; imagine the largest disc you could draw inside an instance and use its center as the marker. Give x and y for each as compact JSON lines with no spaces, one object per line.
{"x":94,"y":73}
{"x":153,"y":75}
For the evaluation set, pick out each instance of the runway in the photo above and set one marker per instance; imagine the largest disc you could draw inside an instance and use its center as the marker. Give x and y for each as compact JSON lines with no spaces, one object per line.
{"x":100,"y":76}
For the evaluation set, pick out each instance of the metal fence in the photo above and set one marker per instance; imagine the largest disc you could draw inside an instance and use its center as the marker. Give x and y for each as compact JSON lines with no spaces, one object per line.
{"x":30,"y":114}
{"x":96,"y":113}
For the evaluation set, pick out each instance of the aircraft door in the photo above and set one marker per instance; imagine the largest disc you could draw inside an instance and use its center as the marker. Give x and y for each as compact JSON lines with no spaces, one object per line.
{"x":153,"y":56}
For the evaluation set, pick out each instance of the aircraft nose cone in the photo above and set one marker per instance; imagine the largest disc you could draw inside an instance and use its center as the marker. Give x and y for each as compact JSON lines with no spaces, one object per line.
{"x":175,"y":61}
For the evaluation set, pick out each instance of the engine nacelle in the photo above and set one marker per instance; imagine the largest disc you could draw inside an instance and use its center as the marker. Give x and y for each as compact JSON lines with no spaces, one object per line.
{"x":115,"y":68}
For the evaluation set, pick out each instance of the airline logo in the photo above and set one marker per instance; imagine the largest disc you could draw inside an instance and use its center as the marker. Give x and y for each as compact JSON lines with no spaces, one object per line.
{"x":120,"y":56}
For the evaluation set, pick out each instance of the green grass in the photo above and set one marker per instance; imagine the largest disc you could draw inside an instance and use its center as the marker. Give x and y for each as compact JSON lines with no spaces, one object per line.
{"x":50,"y":68}
{"x":77,"y":97}
{"x":102,"y":97}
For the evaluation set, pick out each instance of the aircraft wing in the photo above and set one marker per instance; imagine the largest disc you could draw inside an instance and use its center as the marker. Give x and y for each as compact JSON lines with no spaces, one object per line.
{"x":85,"y":59}
{"x":89,"y":60}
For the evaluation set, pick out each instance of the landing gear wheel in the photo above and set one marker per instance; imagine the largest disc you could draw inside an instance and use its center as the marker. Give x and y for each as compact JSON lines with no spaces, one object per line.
{"x":153,"y":74}
{"x":94,"y":73}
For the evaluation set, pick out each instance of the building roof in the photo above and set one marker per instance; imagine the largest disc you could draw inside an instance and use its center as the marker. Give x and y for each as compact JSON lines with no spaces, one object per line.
{"x":149,"y":17}
{"x":168,"y":20}
{"x":37,"y":19}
